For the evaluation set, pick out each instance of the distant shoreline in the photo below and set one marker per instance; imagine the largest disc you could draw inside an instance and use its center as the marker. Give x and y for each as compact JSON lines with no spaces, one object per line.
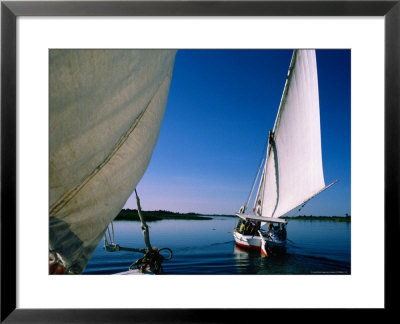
{"x":157,"y":215}
{"x":320,"y":218}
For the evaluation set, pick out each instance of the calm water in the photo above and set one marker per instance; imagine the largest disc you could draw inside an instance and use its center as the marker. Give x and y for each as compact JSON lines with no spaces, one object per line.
{"x":207,"y":247}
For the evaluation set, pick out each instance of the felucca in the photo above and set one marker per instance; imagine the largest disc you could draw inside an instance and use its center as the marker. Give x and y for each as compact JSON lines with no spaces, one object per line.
{"x":292,"y":171}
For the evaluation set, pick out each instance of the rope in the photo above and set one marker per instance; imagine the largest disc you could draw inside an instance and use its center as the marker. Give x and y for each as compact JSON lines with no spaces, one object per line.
{"x":110,"y":247}
{"x":152,"y":258}
{"x":299,"y":209}
{"x":112,"y":228}
{"x":109,"y":235}
{"x":151,"y":261}
{"x":257,"y":174}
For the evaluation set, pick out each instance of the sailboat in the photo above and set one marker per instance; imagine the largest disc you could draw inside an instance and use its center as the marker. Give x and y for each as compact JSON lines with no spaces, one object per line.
{"x":292,"y":170}
{"x":105,"y":113}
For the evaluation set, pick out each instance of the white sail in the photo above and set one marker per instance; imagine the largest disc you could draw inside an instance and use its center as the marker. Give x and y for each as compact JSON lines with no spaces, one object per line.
{"x":293,"y":171}
{"x":106,"y":108}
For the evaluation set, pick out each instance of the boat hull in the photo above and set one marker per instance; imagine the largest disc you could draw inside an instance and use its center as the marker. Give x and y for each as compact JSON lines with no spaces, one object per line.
{"x":134,"y":272}
{"x":247,"y":241}
{"x":271,"y":246}
{"x":268,"y":246}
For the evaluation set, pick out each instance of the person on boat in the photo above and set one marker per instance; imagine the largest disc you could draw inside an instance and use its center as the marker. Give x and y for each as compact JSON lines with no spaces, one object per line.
{"x":242,"y":227}
{"x":272,"y":233}
{"x":253,"y":228}
{"x":249,"y":227}
{"x":283,"y":232}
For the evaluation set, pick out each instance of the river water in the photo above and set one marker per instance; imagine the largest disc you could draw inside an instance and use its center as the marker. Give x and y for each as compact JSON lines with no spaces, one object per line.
{"x":207,"y":247}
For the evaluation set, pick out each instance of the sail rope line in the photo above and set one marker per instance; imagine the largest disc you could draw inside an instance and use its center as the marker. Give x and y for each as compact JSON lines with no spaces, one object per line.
{"x":152,"y":258}
{"x":111,"y":235}
{"x":262,"y":159}
{"x":66,"y":197}
{"x":307,"y":200}
{"x":110,"y":246}
{"x":297,"y":211}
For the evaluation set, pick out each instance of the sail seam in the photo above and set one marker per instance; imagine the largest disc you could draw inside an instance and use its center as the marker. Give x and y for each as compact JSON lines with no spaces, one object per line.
{"x":62,"y":201}
{"x":72,"y":192}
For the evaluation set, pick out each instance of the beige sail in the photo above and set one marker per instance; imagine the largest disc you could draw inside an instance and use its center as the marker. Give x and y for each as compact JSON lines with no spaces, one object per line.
{"x":106,"y":108}
{"x":293,"y":171}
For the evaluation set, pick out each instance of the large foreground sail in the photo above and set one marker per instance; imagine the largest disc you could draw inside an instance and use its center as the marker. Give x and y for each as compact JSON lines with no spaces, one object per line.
{"x":106,"y":108}
{"x":293,"y":172}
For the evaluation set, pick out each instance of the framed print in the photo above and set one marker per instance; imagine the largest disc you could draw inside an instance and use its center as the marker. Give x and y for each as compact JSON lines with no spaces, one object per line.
{"x":34,"y":37}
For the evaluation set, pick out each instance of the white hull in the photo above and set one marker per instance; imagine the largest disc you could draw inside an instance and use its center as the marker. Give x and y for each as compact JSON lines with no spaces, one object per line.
{"x":266,"y":244}
{"x":247,"y":241}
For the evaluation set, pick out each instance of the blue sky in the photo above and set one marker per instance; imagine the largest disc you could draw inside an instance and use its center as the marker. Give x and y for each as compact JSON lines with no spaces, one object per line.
{"x":220,"y":107}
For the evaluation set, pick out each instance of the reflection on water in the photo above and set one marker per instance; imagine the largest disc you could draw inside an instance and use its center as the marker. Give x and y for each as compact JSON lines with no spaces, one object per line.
{"x":207,"y":247}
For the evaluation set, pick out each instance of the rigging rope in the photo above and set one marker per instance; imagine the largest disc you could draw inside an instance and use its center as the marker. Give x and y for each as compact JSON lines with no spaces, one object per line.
{"x":151,"y":261}
{"x":299,"y":209}
{"x":257,"y":174}
{"x":152,"y":258}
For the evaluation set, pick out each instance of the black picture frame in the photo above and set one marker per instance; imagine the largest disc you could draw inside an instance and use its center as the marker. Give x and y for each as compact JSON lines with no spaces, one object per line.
{"x":10,"y":10}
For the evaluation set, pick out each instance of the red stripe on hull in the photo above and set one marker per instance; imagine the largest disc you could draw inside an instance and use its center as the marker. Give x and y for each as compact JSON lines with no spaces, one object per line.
{"x":250,"y":247}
